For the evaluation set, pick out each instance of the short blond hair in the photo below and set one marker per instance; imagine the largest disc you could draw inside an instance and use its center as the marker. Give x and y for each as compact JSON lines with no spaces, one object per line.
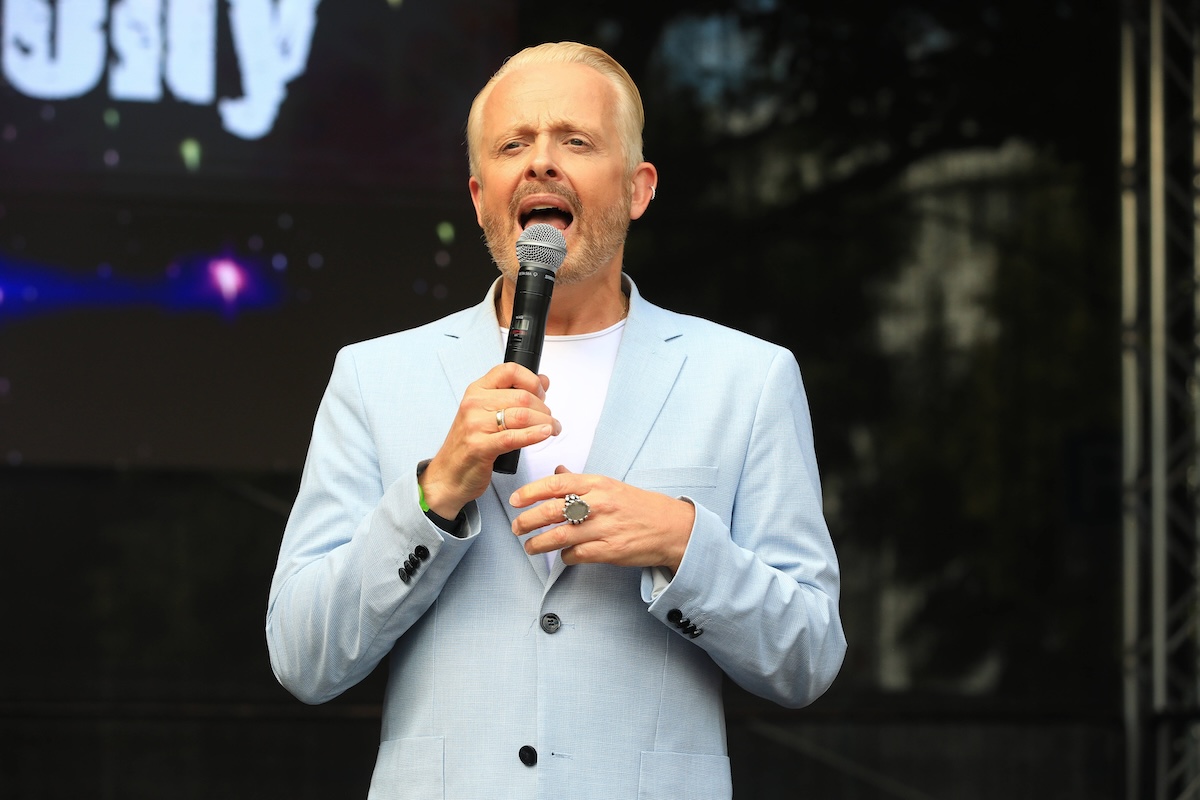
{"x":631,"y":116}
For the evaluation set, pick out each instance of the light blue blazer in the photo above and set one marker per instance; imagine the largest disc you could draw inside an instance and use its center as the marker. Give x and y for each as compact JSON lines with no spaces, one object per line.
{"x":509,"y":680}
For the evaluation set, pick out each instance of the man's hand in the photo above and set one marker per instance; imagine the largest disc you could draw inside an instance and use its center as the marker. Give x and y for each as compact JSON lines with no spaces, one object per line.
{"x":626,"y":526}
{"x":462,"y":468}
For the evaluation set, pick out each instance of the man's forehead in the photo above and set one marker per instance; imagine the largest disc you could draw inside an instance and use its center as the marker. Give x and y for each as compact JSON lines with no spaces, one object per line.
{"x":556,"y":93}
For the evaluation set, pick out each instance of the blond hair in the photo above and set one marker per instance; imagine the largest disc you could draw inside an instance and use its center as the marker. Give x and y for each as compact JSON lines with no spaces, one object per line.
{"x":630,"y":117}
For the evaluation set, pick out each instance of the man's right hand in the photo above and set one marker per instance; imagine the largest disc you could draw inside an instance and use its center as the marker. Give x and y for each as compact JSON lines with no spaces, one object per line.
{"x":462,"y":468}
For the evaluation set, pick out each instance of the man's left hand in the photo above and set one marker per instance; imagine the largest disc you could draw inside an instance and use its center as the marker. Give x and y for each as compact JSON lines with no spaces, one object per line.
{"x":626,"y":526}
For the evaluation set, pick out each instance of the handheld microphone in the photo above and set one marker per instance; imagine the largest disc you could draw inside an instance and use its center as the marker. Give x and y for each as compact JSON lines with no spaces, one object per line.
{"x":540,"y":252}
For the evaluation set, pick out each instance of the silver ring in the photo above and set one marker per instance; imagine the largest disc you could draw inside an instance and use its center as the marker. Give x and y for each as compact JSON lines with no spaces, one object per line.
{"x":500,"y":426}
{"x":575,"y":509}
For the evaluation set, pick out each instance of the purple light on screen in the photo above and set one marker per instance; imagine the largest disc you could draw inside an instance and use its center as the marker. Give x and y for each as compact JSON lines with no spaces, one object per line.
{"x":201,"y":282}
{"x":229,"y":278}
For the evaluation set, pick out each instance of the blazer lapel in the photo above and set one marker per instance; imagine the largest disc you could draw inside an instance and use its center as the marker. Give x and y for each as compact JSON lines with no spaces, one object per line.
{"x":642,"y":378}
{"x":468,"y":353}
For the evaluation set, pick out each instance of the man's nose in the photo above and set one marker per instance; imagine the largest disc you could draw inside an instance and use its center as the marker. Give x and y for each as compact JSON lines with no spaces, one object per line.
{"x":542,"y":164}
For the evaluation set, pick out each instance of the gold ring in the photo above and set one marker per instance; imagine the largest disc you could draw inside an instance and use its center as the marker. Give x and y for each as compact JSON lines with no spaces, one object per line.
{"x":500,"y":426}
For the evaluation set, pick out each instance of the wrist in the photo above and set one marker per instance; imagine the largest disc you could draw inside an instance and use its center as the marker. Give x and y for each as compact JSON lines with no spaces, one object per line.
{"x":432,"y":497}
{"x":685,"y":522}
{"x":448,"y":525}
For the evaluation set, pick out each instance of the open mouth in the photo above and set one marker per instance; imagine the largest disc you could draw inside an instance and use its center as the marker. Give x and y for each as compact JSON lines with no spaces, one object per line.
{"x":551,"y":215}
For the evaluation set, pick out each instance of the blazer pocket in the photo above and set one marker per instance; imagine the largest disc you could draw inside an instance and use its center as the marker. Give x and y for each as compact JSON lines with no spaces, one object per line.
{"x":409,"y":768}
{"x":673,"y":477}
{"x":672,"y":776}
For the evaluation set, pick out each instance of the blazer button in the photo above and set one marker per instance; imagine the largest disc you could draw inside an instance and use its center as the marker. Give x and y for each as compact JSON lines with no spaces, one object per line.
{"x":421,"y":552}
{"x":674,"y":615}
{"x":551,"y":623}
{"x":527,"y":755}
{"x":404,"y":575}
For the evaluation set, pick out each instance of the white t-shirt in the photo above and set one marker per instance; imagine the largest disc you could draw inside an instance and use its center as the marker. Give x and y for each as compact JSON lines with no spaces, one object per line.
{"x":580,"y":368}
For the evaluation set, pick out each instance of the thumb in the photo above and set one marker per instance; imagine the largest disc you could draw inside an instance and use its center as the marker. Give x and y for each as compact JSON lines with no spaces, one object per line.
{"x":561,"y":470}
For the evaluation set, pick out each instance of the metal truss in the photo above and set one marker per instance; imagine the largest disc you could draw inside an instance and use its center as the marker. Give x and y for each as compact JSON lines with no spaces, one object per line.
{"x":1160,"y":198}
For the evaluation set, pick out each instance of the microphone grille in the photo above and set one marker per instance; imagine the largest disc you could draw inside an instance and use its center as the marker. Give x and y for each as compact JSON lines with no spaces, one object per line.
{"x":542,"y":244}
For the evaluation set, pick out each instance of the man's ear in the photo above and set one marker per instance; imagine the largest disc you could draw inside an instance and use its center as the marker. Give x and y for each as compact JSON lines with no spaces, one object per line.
{"x":476,"y":189}
{"x":644,"y":183}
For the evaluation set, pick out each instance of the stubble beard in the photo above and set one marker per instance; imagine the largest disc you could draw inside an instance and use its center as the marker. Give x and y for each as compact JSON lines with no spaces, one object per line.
{"x":597,"y":236}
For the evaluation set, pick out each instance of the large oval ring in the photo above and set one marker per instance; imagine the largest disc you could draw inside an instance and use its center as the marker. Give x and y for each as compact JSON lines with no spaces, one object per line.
{"x":575,"y":509}
{"x":500,"y":426}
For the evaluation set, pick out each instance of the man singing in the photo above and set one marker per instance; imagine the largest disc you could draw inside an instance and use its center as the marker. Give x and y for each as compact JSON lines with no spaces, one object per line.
{"x":560,"y":632}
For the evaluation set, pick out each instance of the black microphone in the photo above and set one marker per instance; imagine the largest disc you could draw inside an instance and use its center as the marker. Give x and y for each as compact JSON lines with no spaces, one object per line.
{"x":540,"y":252}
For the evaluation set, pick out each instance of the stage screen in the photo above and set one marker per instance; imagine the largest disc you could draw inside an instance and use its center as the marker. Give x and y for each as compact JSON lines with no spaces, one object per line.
{"x":201,"y":201}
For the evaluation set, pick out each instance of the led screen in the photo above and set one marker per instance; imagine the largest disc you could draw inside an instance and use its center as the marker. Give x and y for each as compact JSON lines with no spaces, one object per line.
{"x":201,"y":201}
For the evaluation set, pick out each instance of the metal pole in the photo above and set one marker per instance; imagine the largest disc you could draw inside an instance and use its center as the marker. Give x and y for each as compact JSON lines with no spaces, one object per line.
{"x":1158,"y":398}
{"x":1131,"y":415}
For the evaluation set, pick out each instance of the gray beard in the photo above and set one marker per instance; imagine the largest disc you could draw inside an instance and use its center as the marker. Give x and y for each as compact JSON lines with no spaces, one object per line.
{"x":596,"y":241}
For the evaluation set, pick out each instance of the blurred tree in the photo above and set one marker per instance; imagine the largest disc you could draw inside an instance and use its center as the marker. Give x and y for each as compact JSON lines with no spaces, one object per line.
{"x":784,"y":133}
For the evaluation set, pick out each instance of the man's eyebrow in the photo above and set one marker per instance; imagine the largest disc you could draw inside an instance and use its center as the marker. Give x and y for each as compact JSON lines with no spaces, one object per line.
{"x":555,"y":126}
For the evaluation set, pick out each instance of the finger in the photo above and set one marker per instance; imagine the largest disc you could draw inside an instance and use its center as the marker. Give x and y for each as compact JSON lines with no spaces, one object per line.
{"x":520,"y":408}
{"x":516,"y":438}
{"x":540,"y":516}
{"x":554,"y":512}
{"x":558,"y":538}
{"x":516,"y":417}
{"x":558,"y":485}
{"x":510,"y":375}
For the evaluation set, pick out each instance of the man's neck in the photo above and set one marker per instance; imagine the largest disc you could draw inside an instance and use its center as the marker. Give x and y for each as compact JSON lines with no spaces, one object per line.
{"x":585,"y":307}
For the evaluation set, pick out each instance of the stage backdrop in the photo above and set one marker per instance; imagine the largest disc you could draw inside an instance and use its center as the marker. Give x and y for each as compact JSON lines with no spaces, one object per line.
{"x":201,"y":201}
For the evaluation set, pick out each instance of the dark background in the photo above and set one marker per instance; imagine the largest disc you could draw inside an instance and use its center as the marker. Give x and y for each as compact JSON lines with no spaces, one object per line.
{"x":923,"y":196}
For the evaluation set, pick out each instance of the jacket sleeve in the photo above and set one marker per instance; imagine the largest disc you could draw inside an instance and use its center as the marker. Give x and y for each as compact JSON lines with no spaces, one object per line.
{"x":760,"y":594}
{"x":359,"y":562}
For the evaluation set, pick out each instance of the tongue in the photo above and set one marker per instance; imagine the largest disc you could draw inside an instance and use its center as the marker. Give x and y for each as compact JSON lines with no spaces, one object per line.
{"x":556,"y":219}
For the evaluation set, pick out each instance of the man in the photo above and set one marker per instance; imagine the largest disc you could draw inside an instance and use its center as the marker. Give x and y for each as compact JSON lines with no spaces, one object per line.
{"x":529,"y":657}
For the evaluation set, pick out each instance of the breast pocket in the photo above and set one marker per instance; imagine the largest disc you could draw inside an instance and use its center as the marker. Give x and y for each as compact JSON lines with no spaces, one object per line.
{"x":673,"y":479}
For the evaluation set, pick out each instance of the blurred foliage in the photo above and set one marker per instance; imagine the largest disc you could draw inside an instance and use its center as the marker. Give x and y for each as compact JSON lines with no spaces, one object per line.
{"x":783,"y":133}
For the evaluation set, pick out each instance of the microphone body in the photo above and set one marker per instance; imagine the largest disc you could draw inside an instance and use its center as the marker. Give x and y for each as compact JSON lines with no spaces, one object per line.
{"x":540,"y":251}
